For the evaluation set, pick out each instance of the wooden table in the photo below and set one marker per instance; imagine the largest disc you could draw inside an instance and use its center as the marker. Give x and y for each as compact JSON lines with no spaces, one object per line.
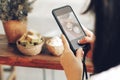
{"x":9,"y":55}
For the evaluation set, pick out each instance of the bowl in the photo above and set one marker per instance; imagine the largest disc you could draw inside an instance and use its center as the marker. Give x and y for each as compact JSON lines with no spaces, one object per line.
{"x":55,"y":48}
{"x":30,"y":50}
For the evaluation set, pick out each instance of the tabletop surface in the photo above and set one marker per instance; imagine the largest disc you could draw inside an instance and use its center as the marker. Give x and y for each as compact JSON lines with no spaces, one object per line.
{"x":10,"y":55}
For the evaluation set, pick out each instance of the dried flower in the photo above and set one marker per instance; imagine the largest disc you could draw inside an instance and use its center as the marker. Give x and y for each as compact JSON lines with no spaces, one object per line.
{"x":15,"y":9}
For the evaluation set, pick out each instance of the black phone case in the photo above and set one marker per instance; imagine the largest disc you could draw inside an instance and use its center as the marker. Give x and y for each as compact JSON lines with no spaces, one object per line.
{"x":84,"y":46}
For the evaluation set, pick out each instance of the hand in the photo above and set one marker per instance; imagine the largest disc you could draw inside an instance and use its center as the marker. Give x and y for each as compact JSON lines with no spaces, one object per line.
{"x":72,"y":64}
{"x":90,"y":38}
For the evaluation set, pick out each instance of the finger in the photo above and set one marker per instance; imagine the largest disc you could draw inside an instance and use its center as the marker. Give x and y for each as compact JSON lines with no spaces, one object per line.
{"x":79,"y":53}
{"x":85,"y":40}
{"x":65,"y":42}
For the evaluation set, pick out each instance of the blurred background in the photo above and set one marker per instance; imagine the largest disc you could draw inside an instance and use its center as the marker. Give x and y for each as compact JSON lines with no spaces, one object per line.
{"x":41,"y":20}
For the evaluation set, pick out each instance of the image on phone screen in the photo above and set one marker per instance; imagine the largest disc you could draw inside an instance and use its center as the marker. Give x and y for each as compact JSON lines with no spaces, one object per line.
{"x":71,"y":26}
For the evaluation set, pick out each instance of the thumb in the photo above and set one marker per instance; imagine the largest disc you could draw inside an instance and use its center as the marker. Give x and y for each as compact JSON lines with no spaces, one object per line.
{"x":79,"y":53}
{"x":85,"y":40}
{"x":65,"y":42}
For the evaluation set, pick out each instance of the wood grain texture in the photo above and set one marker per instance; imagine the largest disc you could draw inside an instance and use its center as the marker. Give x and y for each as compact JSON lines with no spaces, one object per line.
{"x":9,"y":55}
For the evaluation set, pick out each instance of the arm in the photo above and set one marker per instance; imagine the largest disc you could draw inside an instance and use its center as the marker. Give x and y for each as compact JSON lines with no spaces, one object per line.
{"x":72,"y":64}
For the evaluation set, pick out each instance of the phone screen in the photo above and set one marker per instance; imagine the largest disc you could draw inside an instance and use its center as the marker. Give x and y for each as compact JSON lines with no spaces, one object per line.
{"x":70,"y":25}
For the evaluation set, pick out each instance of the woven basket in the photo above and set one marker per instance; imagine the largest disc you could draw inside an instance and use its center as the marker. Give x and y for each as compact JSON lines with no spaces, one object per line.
{"x":30,"y":50}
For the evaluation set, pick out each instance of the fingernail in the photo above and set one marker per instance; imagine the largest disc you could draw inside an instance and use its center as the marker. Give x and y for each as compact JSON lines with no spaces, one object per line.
{"x":79,"y":41}
{"x":82,"y":53}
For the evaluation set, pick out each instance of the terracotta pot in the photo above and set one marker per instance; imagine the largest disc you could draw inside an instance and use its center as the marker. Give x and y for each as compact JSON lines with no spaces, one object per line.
{"x":14,"y":30}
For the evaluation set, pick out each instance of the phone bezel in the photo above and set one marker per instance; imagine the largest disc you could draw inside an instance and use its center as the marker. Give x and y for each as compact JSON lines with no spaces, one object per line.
{"x":60,"y":26}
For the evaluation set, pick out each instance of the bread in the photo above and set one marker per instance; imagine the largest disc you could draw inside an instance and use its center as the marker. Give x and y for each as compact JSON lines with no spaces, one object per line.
{"x":30,"y":43}
{"x":30,"y":38}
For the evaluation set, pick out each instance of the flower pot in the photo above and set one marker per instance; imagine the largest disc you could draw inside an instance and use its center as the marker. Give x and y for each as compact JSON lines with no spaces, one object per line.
{"x":14,"y":30}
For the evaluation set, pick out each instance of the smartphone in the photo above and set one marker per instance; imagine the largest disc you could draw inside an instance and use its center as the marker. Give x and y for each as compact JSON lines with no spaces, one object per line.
{"x":70,"y":26}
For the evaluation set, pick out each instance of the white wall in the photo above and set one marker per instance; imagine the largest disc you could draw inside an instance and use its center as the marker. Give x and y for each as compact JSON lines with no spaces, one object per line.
{"x":42,"y":20}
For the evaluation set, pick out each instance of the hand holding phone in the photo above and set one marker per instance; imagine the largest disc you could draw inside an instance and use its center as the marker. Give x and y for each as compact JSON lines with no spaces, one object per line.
{"x":70,"y":27}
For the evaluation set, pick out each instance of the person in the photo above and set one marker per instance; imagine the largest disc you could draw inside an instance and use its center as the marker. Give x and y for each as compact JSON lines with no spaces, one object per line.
{"x":105,"y":44}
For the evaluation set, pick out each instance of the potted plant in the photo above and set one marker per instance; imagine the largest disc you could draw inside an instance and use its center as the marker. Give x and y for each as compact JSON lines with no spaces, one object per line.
{"x":13,"y":14}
